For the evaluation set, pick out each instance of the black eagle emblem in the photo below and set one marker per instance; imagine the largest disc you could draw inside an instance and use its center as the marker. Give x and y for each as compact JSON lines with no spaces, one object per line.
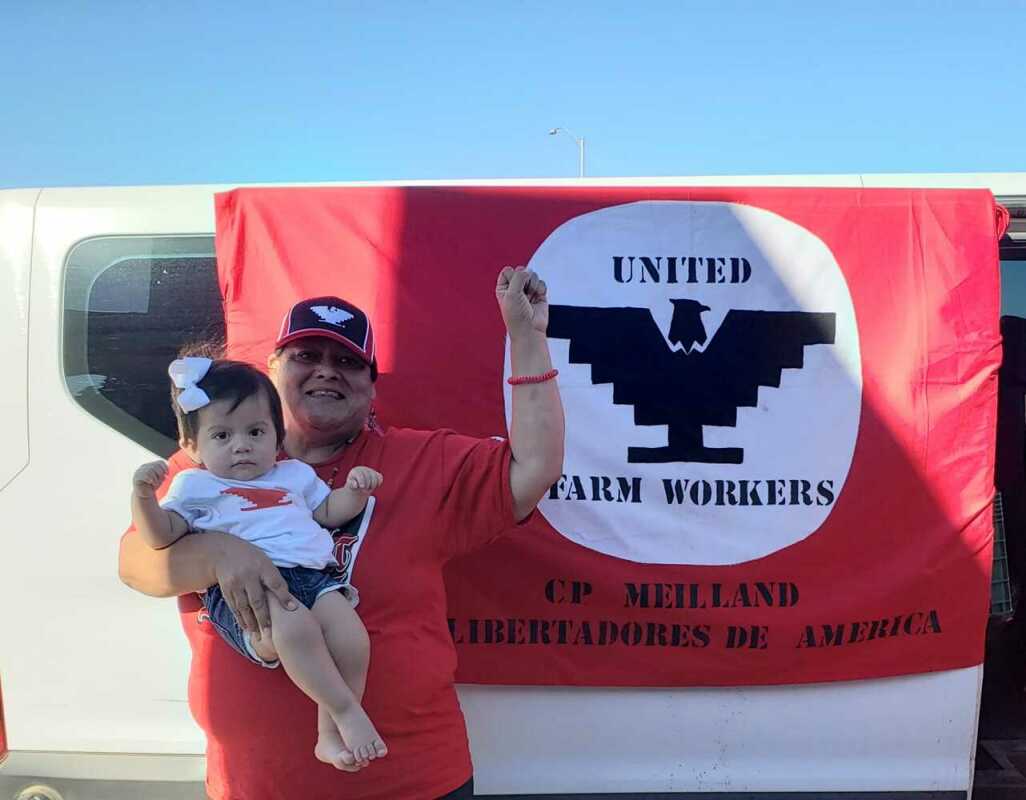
{"x":687,"y":389}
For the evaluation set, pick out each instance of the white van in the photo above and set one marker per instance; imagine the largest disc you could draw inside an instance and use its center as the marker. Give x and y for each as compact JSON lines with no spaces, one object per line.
{"x":98,"y":289}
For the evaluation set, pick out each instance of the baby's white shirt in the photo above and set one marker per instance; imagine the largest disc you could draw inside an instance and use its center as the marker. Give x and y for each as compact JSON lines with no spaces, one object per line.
{"x":273,"y":512}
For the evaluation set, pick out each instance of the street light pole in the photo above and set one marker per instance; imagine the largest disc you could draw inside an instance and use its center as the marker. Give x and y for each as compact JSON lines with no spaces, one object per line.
{"x":580,"y":148}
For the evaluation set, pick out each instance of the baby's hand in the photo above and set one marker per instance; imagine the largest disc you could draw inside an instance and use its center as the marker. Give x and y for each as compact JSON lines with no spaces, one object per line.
{"x":148,"y":478}
{"x":363,"y":479}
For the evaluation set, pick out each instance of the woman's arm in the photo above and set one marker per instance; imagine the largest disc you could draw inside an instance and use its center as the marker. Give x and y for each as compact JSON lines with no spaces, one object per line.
{"x":186,"y":566}
{"x":536,"y":426}
{"x":198,"y":561}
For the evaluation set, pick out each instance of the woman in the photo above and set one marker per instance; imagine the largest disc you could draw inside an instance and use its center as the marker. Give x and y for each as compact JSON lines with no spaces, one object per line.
{"x":443,"y":495}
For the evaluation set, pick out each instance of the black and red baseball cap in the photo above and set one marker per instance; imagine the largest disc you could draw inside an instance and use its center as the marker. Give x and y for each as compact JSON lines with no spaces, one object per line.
{"x":333,"y":318}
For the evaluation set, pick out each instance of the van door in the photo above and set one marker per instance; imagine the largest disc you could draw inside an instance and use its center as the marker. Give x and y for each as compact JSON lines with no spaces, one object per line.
{"x":116,"y":275}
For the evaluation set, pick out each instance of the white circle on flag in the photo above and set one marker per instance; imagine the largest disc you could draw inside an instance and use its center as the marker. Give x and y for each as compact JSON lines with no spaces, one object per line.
{"x":783,"y":383}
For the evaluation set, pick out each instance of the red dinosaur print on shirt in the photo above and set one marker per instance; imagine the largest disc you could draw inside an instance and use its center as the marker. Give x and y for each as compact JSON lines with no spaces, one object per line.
{"x":260,"y":498}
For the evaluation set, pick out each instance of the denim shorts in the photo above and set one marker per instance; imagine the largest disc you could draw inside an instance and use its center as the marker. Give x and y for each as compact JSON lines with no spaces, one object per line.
{"x":305,"y":584}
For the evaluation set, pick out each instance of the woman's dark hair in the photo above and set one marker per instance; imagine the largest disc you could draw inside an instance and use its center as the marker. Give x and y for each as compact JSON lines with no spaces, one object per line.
{"x":233,"y":381}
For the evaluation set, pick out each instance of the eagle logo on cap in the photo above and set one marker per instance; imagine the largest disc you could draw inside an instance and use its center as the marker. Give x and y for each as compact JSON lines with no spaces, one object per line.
{"x":333,"y":315}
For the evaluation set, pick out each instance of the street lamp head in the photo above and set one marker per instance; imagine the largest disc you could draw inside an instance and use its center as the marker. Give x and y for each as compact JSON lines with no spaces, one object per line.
{"x":580,"y":147}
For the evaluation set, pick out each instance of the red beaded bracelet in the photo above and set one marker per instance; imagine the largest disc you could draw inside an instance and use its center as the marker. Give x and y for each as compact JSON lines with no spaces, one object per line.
{"x":545,"y":376}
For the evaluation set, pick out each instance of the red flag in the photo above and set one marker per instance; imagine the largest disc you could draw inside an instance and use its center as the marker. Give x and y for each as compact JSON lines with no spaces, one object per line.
{"x":780,"y":413}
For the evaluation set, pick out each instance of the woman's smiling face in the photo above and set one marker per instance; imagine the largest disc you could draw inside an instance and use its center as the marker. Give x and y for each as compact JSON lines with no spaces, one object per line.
{"x":326,"y":390}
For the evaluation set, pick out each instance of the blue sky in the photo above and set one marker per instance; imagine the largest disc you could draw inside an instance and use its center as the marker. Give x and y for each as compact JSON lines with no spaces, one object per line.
{"x":112,"y":92}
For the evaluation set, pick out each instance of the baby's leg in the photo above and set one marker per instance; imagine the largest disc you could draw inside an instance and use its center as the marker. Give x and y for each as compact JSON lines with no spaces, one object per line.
{"x":352,"y":663}
{"x":349,"y":646}
{"x":346,"y":638}
{"x":300,"y":645}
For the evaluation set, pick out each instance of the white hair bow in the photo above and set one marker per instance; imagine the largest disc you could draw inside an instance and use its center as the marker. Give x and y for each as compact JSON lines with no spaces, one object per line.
{"x":185,"y":374}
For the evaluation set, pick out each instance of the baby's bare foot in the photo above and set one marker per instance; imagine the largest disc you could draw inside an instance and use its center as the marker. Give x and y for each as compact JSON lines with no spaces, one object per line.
{"x":360,"y":736}
{"x":332,"y":750}
{"x":368,"y":752}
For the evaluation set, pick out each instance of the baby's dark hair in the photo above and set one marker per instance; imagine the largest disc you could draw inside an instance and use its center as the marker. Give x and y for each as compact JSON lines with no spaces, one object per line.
{"x":228,"y":380}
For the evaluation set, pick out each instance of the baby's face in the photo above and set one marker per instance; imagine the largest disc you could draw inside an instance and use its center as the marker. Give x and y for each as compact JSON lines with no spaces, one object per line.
{"x":240,"y":444}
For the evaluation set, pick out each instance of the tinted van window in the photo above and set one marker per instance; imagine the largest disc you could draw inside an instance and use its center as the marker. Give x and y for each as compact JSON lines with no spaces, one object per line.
{"x":130,"y":304}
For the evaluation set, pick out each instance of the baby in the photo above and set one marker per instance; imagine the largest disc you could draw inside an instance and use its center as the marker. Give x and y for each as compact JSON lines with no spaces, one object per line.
{"x":230,"y":422}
